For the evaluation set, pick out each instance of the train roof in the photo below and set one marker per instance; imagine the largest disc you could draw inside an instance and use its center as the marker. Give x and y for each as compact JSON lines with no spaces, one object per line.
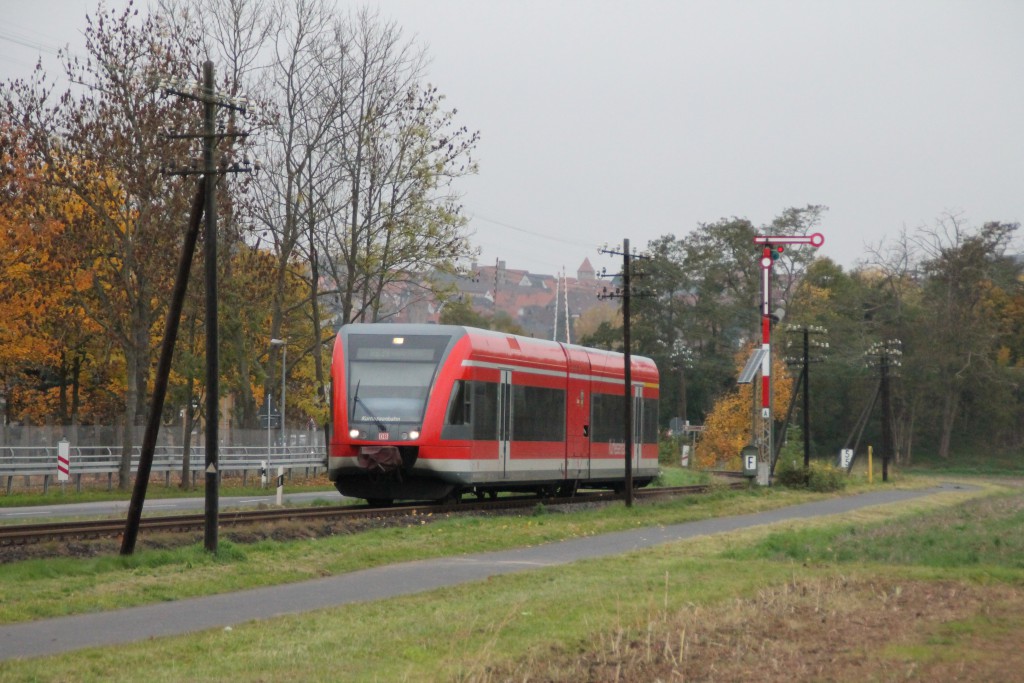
{"x":487,"y":338}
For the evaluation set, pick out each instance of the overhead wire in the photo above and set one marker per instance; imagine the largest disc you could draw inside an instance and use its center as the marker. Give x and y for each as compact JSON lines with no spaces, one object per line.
{"x":530,"y":255}
{"x":576,"y":243}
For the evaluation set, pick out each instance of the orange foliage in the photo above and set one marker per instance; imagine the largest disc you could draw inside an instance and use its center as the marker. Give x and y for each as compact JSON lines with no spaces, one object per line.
{"x":728,"y":428}
{"x":42,"y":326}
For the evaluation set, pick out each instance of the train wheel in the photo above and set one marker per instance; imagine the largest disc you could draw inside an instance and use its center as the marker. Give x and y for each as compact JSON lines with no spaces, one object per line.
{"x":380,"y":502}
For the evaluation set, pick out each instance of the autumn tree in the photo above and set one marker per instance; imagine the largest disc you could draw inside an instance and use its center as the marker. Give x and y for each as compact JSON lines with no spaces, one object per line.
{"x":50,"y":363}
{"x":729,"y":426}
{"x":25,"y":255}
{"x":102,"y":140}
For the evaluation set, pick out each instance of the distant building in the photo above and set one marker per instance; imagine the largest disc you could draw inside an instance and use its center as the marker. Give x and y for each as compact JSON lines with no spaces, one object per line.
{"x":533,"y":300}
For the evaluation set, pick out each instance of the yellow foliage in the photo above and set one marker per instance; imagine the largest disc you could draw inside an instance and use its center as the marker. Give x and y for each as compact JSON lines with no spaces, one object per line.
{"x":728,"y":427}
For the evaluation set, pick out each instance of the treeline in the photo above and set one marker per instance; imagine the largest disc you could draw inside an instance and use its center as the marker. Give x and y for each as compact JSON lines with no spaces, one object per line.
{"x":356,"y":200}
{"x":950,"y":296}
{"x":355,"y":196}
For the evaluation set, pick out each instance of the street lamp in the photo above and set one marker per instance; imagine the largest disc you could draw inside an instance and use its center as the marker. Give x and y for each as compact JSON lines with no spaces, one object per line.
{"x":283,"y":343}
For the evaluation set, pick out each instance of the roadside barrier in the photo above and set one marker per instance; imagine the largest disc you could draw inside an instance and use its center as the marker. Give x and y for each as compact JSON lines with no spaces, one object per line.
{"x":99,"y":462}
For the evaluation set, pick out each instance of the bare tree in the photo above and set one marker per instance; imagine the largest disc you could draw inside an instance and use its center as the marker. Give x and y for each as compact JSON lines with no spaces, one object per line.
{"x":399,"y":150}
{"x":359,"y":158}
{"x":296,"y":191}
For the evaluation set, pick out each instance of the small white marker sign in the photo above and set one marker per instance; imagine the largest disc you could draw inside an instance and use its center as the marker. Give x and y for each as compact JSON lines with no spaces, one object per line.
{"x":845,"y":457}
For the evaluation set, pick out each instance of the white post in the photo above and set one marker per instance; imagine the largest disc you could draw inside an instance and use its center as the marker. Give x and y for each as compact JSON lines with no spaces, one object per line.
{"x":263,"y":474}
{"x":280,"y":485}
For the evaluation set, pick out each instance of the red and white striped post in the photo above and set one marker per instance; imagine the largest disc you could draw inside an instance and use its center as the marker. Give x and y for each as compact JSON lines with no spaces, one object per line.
{"x":63,"y":460}
{"x":771,"y":243}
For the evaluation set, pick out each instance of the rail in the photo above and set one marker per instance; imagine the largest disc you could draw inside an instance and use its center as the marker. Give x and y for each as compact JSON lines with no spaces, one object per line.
{"x":48,"y":531}
{"x":105,"y":461}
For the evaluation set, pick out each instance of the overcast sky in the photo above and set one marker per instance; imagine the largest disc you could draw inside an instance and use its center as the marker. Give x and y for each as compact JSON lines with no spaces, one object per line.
{"x":608,"y":120}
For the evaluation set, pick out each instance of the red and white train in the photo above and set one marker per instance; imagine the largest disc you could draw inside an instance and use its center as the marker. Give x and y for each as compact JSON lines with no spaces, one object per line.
{"x":437,"y":411}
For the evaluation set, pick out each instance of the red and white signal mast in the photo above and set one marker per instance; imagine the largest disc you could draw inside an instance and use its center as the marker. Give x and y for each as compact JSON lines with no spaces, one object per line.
{"x":774,"y":245}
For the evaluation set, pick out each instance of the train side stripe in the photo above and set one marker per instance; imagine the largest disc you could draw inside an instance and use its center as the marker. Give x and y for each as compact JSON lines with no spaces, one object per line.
{"x":551,"y":373}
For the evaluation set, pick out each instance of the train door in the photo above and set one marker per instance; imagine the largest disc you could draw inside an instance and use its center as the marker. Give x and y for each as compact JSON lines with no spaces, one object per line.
{"x":577,"y":414}
{"x":638,"y":424}
{"x":504,"y":420}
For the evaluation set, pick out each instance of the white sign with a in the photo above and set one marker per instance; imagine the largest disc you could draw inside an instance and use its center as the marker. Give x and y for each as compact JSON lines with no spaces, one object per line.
{"x":845,"y":457}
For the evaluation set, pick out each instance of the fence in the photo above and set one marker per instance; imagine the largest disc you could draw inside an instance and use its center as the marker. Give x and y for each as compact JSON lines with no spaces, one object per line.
{"x":25,"y":456}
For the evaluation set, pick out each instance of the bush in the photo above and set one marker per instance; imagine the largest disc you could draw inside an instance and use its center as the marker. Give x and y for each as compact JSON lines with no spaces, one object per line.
{"x":670,"y":449}
{"x":789,"y":472}
{"x":826,"y":477}
{"x":822,"y":477}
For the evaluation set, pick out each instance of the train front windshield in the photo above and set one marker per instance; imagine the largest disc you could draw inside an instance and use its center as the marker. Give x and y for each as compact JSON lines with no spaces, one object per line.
{"x":389,"y":376}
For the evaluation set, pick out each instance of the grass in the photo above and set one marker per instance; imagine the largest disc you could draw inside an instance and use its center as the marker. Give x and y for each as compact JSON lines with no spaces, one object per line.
{"x":1007,"y":464}
{"x":603,"y":619}
{"x":596,"y":619}
{"x":46,"y":588}
{"x":57,"y":587}
{"x":982,"y":531}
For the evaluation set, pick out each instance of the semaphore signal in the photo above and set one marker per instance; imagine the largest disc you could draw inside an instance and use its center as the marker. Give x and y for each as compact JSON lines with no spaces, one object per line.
{"x":774,"y":245}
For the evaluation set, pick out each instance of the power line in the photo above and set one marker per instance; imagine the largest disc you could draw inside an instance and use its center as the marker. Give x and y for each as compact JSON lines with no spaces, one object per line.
{"x":574,"y":243}
{"x":12,"y":37}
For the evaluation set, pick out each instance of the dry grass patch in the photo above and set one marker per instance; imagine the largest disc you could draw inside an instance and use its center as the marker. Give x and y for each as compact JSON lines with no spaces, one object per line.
{"x":829,"y":629}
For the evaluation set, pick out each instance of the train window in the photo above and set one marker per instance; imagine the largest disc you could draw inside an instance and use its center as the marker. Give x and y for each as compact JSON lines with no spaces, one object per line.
{"x":459,"y":406}
{"x":538,"y":414}
{"x":650,"y":427}
{"x":485,"y":410}
{"x":608,"y":418}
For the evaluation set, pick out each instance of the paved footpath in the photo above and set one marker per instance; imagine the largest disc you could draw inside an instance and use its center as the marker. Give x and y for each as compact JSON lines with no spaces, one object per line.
{"x":53,"y":636}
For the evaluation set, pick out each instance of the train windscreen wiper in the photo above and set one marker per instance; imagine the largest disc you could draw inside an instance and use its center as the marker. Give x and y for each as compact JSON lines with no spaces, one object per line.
{"x":369,"y":413}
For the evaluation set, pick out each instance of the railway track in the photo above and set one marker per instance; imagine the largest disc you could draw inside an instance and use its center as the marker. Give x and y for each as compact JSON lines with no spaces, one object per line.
{"x":52,"y":531}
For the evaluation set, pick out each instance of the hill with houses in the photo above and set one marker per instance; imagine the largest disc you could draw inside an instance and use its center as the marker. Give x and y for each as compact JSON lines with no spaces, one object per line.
{"x":540,"y":303}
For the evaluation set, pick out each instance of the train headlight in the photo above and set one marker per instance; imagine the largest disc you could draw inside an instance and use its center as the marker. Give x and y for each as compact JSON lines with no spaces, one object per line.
{"x":414,"y":434}
{"x":353,"y":433}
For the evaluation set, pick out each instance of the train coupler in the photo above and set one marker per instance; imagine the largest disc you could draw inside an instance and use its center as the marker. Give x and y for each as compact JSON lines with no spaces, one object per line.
{"x":379,"y":458}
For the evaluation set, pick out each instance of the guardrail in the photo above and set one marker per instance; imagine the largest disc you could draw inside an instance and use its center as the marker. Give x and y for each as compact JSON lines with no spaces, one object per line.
{"x":103,"y":461}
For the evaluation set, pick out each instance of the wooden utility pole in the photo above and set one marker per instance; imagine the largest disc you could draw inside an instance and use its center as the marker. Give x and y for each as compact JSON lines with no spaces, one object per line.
{"x":625,"y":293}
{"x":205,"y":204}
